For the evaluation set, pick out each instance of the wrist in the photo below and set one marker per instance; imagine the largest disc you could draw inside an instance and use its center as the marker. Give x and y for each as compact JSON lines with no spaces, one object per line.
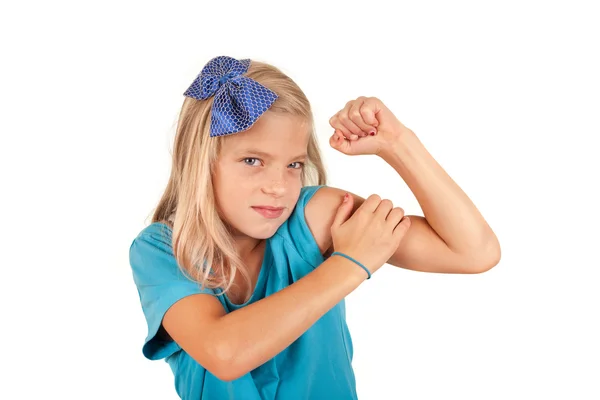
{"x":396,"y":148}
{"x":357,"y":265}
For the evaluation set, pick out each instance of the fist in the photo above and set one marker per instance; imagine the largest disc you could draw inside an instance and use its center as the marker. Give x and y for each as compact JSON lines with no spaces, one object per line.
{"x":364,"y":126}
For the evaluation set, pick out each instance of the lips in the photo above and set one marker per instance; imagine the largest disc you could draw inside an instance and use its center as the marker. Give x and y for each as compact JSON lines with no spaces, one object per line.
{"x":270,"y":208}
{"x":268,"y":211}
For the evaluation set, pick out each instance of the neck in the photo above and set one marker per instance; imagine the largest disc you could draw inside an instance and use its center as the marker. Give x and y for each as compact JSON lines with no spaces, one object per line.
{"x":247,"y":246}
{"x":244,"y":244}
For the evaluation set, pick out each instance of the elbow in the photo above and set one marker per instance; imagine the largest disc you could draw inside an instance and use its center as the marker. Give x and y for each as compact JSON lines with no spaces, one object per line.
{"x":478,"y":262}
{"x":482,"y":268}
{"x":224,"y":363}
{"x":489,"y":260}
{"x":227,"y":374}
{"x":489,"y":255}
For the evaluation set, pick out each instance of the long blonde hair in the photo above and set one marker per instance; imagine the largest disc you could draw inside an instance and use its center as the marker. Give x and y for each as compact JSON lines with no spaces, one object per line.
{"x":200,"y":239}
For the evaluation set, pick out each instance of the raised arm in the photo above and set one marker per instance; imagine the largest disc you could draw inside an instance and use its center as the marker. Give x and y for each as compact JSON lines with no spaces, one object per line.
{"x":422,"y":249}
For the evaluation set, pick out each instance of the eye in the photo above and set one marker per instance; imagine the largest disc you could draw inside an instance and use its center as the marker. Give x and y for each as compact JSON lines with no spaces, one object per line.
{"x":300,"y":164}
{"x":249,"y":158}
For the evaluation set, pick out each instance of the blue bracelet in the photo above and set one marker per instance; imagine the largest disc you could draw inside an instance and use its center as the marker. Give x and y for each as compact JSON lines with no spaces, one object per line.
{"x":352,"y":259}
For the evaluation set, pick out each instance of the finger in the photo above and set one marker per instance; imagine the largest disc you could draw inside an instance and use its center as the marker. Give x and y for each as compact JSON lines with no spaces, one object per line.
{"x":394,"y":217}
{"x":338,"y":126}
{"x":371,"y":203}
{"x":401,"y":228}
{"x":384,"y":208}
{"x":344,"y":210}
{"x":336,"y":139}
{"x":369,"y":110}
{"x":339,"y":142}
{"x":341,"y":136}
{"x":356,"y":115}
{"x":344,"y":118}
{"x":350,"y":127}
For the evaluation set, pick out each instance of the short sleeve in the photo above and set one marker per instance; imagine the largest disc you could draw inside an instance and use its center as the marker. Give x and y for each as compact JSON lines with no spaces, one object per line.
{"x":160,"y":284}
{"x":296,"y":230}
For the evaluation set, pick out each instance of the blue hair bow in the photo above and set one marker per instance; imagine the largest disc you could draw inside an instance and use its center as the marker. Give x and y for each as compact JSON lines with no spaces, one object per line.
{"x":239,"y":100}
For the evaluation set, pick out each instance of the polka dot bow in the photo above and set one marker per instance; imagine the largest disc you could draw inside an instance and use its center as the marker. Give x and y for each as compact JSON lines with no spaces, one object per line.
{"x":239,"y":100}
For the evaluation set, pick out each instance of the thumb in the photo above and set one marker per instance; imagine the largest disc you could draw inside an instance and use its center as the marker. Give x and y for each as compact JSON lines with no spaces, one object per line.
{"x":344,"y":210}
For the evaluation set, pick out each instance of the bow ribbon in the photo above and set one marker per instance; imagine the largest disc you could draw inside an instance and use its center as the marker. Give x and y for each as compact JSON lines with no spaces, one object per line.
{"x":239,"y":100}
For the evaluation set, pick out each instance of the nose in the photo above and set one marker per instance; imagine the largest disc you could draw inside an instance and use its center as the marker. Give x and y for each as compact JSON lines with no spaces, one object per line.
{"x":276,"y":183}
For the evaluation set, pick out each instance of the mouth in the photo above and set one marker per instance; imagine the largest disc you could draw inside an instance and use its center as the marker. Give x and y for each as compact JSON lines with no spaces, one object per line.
{"x":269,"y":212}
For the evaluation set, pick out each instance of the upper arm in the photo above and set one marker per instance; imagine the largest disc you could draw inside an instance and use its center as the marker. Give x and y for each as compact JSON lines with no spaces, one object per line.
{"x":421,"y":249}
{"x":179,"y":313}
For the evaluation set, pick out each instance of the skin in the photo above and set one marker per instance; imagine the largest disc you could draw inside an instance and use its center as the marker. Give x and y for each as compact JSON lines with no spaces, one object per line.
{"x":453,"y":239}
{"x":243,"y":178}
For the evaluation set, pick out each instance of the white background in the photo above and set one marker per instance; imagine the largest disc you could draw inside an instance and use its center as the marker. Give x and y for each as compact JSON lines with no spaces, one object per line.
{"x":505,"y":95}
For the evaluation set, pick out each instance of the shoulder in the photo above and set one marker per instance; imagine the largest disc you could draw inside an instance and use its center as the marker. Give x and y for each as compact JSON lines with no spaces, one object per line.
{"x":320,"y":212}
{"x":152,"y":249}
{"x":157,"y":232}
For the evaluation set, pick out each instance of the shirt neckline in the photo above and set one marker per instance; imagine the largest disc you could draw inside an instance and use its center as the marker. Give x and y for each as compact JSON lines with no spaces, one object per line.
{"x":266,"y":264}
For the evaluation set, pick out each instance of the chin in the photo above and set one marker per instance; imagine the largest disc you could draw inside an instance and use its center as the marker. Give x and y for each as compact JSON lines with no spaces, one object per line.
{"x":264,"y":237}
{"x":267,"y":229}
{"x":265,"y":233}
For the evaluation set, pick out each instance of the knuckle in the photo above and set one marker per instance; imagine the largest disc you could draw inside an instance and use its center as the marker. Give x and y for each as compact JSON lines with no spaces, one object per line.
{"x":375,"y":197}
{"x":395,"y":214}
{"x":404,"y":223}
{"x":387,"y":202}
{"x":360,"y":211}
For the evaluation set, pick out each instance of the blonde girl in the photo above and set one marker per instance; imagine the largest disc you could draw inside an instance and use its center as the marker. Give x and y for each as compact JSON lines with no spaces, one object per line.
{"x":243,"y":272}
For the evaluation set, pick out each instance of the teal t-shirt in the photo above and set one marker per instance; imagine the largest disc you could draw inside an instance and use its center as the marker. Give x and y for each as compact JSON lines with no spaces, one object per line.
{"x":318,"y":365}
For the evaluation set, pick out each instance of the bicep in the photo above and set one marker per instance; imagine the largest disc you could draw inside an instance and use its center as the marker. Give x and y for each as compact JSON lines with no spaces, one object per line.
{"x":422,"y":249}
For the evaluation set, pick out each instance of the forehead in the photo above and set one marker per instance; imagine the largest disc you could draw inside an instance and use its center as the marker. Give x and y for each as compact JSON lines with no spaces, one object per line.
{"x":273,"y":133}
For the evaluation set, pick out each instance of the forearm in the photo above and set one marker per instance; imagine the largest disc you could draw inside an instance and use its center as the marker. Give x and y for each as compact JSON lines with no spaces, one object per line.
{"x":446,"y":207}
{"x":256,"y":333}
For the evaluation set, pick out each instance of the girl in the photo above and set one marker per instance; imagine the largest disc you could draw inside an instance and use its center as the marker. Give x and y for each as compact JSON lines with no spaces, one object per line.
{"x":243,"y":272}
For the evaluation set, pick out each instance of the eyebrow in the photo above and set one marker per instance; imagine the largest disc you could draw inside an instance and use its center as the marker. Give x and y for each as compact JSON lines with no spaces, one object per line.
{"x":267,"y":155}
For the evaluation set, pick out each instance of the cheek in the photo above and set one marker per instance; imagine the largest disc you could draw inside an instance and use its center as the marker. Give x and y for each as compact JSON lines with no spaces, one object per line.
{"x":231,"y":176}
{"x":232,"y":191}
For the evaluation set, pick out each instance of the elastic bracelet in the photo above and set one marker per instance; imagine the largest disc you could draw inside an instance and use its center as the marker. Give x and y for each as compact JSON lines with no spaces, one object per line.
{"x":352,"y":259}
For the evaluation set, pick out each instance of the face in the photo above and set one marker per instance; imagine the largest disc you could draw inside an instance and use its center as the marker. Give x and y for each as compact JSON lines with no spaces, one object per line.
{"x":261,"y":167}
